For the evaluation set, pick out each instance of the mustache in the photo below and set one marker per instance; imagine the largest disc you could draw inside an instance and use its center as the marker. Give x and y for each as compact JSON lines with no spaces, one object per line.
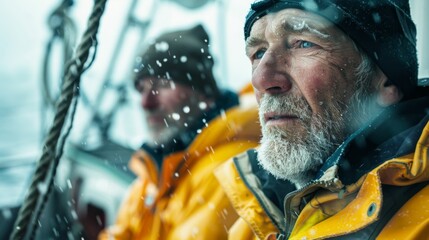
{"x":284,"y":104}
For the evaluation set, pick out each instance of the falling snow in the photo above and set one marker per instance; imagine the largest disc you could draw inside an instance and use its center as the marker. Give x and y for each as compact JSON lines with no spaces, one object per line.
{"x":162,"y":46}
{"x":175,"y":116}
{"x":183,"y":59}
{"x":186,"y":109}
{"x":202,"y":105}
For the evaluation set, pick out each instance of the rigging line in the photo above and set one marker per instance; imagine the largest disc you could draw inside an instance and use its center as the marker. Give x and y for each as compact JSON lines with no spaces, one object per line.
{"x":63,"y":28}
{"x":72,"y":75}
{"x":108,"y":75}
{"x":47,"y":98}
{"x":131,"y":21}
{"x":53,"y":171}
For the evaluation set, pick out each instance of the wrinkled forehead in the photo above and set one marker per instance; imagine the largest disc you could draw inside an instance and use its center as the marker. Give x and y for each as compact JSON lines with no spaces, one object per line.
{"x":292,"y":20}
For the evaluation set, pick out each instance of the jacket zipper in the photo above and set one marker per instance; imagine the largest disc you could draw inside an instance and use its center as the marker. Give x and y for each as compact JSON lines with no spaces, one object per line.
{"x":290,"y":218}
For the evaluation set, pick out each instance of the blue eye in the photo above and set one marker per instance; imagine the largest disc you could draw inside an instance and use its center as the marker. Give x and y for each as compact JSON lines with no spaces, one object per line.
{"x":259,"y":54}
{"x":305,"y":44}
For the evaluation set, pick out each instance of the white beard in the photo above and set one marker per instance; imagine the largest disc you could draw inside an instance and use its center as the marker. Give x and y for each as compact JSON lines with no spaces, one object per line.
{"x":297,"y":156}
{"x":163,"y":136}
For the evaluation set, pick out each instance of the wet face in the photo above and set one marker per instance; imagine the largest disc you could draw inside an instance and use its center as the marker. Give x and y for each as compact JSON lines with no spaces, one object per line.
{"x":304,"y":75}
{"x":169,"y":108}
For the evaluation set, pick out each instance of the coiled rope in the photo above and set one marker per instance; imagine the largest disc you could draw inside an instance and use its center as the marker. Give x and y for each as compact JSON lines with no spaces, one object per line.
{"x":52,"y":150}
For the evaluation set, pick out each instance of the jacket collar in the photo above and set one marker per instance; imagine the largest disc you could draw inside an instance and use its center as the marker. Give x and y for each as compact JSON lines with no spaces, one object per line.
{"x":393,"y":133}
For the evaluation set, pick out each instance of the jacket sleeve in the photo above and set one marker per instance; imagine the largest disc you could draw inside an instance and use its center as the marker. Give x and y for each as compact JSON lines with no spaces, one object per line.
{"x":123,"y":227}
{"x":206,"y":212}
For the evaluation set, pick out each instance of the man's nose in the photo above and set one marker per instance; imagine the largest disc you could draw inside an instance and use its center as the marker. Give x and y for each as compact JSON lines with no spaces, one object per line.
{"x":149,"y":99}
{"x":271,"y":75}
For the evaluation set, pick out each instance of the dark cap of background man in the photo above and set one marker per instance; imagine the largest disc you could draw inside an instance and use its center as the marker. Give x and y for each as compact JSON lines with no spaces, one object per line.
{"x":182,"y":56}
{"x":381,"y":28}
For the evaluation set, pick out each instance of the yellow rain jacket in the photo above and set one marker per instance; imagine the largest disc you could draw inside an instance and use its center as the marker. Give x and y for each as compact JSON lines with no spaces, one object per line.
{"x":184,"y":200}
{"x":375,"y":186}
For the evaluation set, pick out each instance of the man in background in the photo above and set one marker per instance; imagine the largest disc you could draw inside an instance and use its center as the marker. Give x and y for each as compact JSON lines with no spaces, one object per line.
{"x":193,"y":126}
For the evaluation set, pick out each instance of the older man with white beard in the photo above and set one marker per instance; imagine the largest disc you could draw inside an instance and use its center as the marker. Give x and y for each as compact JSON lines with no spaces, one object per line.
{"x":344,"y":124}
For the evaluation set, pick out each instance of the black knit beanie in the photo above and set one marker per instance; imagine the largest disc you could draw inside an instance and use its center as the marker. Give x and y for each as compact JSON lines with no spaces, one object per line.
{"x":382,"y":28}
{"x":182,"y":56}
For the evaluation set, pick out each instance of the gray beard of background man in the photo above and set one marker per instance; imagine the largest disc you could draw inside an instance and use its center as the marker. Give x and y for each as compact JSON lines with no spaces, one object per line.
{"x":297,"y":158}
{"x":164,"y":137}
{"x":177,"y":124}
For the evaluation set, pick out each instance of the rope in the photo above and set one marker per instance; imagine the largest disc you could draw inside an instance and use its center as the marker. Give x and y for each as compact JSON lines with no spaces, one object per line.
{"x":64,"y":29}
{"x":53,"y":170}
{"x":47,"y":160}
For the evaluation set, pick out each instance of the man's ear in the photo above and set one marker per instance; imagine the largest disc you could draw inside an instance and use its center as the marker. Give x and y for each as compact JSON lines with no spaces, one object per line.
{"x":387,"y":93}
